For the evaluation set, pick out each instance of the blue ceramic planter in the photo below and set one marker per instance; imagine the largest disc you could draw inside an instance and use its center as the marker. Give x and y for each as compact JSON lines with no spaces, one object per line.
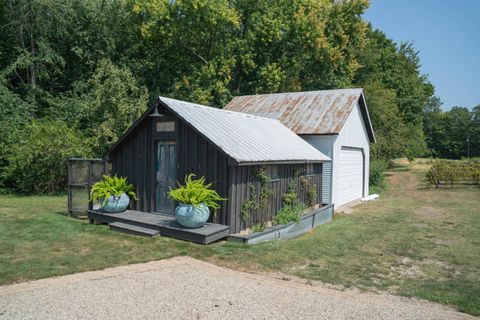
{"x":116,"y":204}
{"x":190,"y":216}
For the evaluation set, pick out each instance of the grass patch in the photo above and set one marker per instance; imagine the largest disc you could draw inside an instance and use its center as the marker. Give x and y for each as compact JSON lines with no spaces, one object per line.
{"x":377,"y":189}
{"x":415,"y":241}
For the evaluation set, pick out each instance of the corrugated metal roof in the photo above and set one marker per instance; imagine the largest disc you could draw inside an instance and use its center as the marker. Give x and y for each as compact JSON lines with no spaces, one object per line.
{"x":311,"y":112}
{"x":246,"y":138}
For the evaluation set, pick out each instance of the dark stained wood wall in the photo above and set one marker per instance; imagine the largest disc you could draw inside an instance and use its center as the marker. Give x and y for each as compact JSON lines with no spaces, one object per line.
{"x":197,"y":155}
{"x":133,"y":159}
{"x":242,"y":177}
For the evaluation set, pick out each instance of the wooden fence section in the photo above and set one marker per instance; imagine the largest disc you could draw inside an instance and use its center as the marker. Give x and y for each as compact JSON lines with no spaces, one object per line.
{"x":82,"y":174}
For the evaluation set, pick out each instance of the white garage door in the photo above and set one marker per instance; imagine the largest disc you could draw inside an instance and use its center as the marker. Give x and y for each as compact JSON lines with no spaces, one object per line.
{"x":350,"y":175}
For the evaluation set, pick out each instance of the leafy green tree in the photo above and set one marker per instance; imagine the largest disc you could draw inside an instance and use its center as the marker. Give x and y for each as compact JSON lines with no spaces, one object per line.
{"x":397,"y":68}
{"x":431,"y":118}
{"x":297,"y":45}
{"x":28,"y":28}
{"x":37,"y":162}
{"x":475,"y":132}
{"x":390,"y":130}
{"x":189,"y":45}
{"x":208,"y":51}
{"x":15,"y":113}
{"x":458,"y":131}
{"x":448,"y":132}
{"x":435,"y":124}
{"x":118,"y":101}
{"x":103,"y":107}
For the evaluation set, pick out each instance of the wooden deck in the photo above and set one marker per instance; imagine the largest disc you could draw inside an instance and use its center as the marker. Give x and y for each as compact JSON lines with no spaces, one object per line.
{"x":165,"y":224}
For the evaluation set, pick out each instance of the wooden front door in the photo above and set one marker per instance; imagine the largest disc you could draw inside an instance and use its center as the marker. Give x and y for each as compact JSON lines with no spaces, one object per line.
{"x":165,"y":166}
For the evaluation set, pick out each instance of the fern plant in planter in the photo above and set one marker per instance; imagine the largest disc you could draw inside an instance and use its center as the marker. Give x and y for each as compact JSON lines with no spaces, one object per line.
{"x":113,"y":193}
{"x":194,"y":198}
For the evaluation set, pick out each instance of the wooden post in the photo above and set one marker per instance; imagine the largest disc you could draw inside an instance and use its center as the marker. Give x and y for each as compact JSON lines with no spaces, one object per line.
{"x":69,"y":188}
{"x":90,"y":167}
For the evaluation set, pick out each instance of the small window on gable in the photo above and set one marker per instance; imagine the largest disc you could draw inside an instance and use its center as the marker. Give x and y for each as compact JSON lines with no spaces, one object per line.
{"x":273,"y":171}
{"x":165,"y":126}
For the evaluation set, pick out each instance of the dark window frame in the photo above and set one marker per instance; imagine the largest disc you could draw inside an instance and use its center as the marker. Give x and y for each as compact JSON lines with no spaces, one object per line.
{"x":313,"y":169}
{"x":273,"y":172}
{"x":164,"y":135}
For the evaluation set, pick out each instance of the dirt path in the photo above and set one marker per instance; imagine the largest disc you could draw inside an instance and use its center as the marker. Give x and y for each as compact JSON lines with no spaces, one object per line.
{"x":185,"y":288}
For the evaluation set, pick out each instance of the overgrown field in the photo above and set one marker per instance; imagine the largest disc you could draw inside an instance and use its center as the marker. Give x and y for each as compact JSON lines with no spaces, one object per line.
{"x":415,"y":241}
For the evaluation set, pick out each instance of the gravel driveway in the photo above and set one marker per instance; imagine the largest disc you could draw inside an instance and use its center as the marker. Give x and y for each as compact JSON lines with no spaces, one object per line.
{"x":185,"y":288}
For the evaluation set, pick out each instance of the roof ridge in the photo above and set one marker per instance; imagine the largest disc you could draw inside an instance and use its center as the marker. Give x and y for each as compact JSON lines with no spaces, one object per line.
{"x":300,"y":92}
{"x":221,"y":110}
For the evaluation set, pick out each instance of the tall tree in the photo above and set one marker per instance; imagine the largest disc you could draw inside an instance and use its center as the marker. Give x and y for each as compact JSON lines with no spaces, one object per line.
{"x":397,"y":68}
{"x":29,"y":58}
{"x":449,"y":133}
{"x":458,"y":128}
{"x":190,"y":47}
{"x":391,"y":132}
{"x":475,"y":132}
{"x":118,"y":100}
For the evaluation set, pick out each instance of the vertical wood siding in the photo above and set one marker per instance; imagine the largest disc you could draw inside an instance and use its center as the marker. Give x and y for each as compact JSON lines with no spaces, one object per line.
{"x":243,"y":177}
{"x":133,"y":159}
{"x":198,"y":156}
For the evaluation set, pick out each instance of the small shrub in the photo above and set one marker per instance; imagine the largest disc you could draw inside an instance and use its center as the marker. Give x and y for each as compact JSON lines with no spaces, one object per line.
{"x":289,"y":214}
{"x":311,"y":188}
{"x":249,"y":205}
{"x":312,"y":195}
{"x":37,"y":160}
{"x":257,"y":228}
{"x":290,"y":197}
{"x":376,"y":175}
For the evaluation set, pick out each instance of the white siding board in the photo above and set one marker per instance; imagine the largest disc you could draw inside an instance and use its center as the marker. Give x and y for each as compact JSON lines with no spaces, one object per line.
{"x":324,"y":143}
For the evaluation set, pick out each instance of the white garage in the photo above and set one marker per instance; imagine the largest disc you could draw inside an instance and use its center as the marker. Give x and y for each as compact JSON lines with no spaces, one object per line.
{"x":336,"y":122}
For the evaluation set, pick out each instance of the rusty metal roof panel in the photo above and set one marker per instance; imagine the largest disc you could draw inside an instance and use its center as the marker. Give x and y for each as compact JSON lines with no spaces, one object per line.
{"x":244,"y":137}
{"x":311,"y":112}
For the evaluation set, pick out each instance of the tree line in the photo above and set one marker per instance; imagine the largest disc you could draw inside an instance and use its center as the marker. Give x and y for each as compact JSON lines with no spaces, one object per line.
{"x":452,"y":134}
{"x":75,"y":74}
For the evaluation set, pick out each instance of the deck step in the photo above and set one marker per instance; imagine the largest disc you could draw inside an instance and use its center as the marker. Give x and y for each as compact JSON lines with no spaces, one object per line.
{"x":133,"y":229}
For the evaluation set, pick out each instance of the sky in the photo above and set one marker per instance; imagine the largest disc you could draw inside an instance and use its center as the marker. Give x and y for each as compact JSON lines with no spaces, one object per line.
{"x":447,"y":35}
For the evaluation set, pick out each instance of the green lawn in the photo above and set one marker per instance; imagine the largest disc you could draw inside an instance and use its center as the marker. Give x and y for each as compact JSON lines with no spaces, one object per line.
{"x":415,"y":241}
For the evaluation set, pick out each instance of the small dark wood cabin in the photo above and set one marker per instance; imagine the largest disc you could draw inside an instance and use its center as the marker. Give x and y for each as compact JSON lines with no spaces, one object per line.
{"x":174,"y":138}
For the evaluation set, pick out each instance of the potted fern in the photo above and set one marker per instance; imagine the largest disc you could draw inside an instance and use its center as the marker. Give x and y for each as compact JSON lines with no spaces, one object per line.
{"x":194,"y":198}
{"x":113,"y":193}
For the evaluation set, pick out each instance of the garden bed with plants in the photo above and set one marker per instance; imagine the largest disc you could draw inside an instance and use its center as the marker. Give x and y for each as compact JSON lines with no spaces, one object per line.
{"x":307,"y":220}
